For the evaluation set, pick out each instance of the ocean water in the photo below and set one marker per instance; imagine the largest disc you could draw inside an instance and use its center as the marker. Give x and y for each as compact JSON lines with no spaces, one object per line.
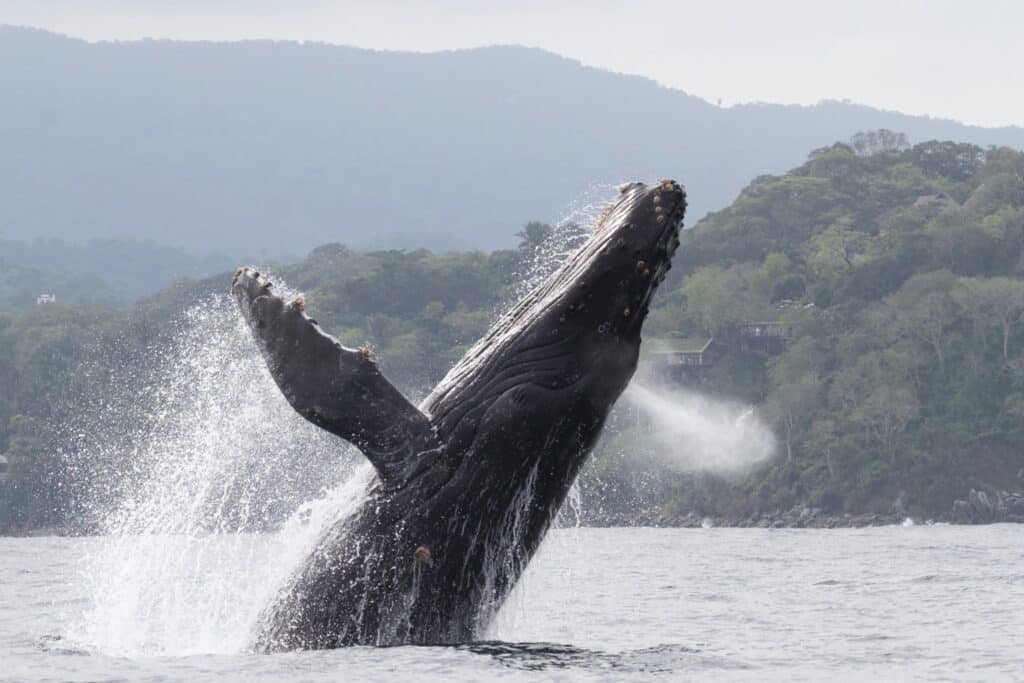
{"x":891,"y":603}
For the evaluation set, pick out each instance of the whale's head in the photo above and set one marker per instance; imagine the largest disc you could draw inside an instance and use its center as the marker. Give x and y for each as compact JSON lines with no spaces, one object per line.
{"x":563,"y":355}
{"x":603,"y":291}
{"x":595,"y":304}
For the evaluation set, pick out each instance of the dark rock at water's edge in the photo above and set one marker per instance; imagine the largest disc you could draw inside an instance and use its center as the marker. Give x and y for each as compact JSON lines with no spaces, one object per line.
{"x":983,"y":508}
{"x":795,"y":518}
{"x":979,"y":508}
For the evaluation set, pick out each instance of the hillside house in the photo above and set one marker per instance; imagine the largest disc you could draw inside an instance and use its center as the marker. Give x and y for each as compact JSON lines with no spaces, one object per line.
{"x":765,"y":336}
{"x":681,"y":360}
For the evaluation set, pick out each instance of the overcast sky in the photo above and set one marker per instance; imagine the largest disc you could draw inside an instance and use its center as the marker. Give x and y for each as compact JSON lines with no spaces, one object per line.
{"x":961,"y":60}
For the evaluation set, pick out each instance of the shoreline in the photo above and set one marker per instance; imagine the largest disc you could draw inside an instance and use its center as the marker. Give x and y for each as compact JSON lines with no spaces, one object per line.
{"x":686,"y":522}
{"x":1000,"y":507}
{"x":980,"y":508}
{"x":811,"y":521}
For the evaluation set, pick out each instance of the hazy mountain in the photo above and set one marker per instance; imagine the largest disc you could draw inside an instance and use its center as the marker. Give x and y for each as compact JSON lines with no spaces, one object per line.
{"x":118,"y":270}
{"x":268,"y":148}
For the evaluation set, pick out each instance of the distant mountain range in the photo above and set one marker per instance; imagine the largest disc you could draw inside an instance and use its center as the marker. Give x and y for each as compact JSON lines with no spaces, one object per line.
{"x":115,"y":270}
{"x":270,"y":148}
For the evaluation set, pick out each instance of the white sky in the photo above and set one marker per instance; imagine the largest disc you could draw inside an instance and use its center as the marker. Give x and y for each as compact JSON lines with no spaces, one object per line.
{"x":962,"y":60}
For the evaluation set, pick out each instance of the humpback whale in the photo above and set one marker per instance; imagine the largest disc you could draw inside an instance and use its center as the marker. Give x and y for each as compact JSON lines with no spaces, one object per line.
{"x":467,"y":483}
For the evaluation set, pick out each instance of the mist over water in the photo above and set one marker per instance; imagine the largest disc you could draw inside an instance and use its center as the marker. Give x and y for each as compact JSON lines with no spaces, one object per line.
{"x":692,"y":432}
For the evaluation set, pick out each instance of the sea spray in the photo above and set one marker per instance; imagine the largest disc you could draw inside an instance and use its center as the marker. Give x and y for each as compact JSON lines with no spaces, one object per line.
{"x":189,"y":476}
{"x":183,"y":566}
{"x":541,"y":258}
{"x":691,"y":432}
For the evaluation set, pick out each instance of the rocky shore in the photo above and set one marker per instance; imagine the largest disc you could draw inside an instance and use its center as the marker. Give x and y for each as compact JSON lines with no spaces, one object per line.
{"x":985,"y":508}
{"x":979,"y":508}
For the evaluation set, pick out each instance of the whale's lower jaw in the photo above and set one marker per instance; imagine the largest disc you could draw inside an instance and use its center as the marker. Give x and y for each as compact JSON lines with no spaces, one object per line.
{"x":468,"y":485}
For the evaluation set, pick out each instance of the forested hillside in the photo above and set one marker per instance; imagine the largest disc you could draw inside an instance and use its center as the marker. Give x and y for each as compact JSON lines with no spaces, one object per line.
{"x":896,"y":273}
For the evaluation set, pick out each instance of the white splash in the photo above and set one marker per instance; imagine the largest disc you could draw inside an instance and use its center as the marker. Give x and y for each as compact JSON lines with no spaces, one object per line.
{"x":572,"y":228}
{"x":691,"y":432}
{"x":183,"y":566}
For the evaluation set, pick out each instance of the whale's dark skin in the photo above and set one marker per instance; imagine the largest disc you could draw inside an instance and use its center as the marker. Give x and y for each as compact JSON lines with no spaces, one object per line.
{"x":467,"y":484}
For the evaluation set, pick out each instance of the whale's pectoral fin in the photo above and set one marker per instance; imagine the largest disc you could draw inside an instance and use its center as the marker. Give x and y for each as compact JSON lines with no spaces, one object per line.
{"x":334,"y":387}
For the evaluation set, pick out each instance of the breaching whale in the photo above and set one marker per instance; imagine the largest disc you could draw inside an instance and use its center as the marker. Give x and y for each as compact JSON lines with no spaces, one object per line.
{"x":468,"y":483}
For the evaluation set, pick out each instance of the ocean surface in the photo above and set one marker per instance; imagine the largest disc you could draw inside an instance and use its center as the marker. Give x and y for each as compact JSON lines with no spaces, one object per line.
{"x":891,"y":603}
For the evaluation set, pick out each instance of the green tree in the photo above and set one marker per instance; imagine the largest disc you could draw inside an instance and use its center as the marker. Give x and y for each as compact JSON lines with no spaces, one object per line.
{"x":837,"y":248}
{"x":881,"y":141}
{"x":533,"y":235}
{"x":885,"y":414}
{"x":923,"y":310}
{"x":796,"y":388}
{"x":777,"y":278}
{"x":823,"y":436}
{"x":997,"y":301}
